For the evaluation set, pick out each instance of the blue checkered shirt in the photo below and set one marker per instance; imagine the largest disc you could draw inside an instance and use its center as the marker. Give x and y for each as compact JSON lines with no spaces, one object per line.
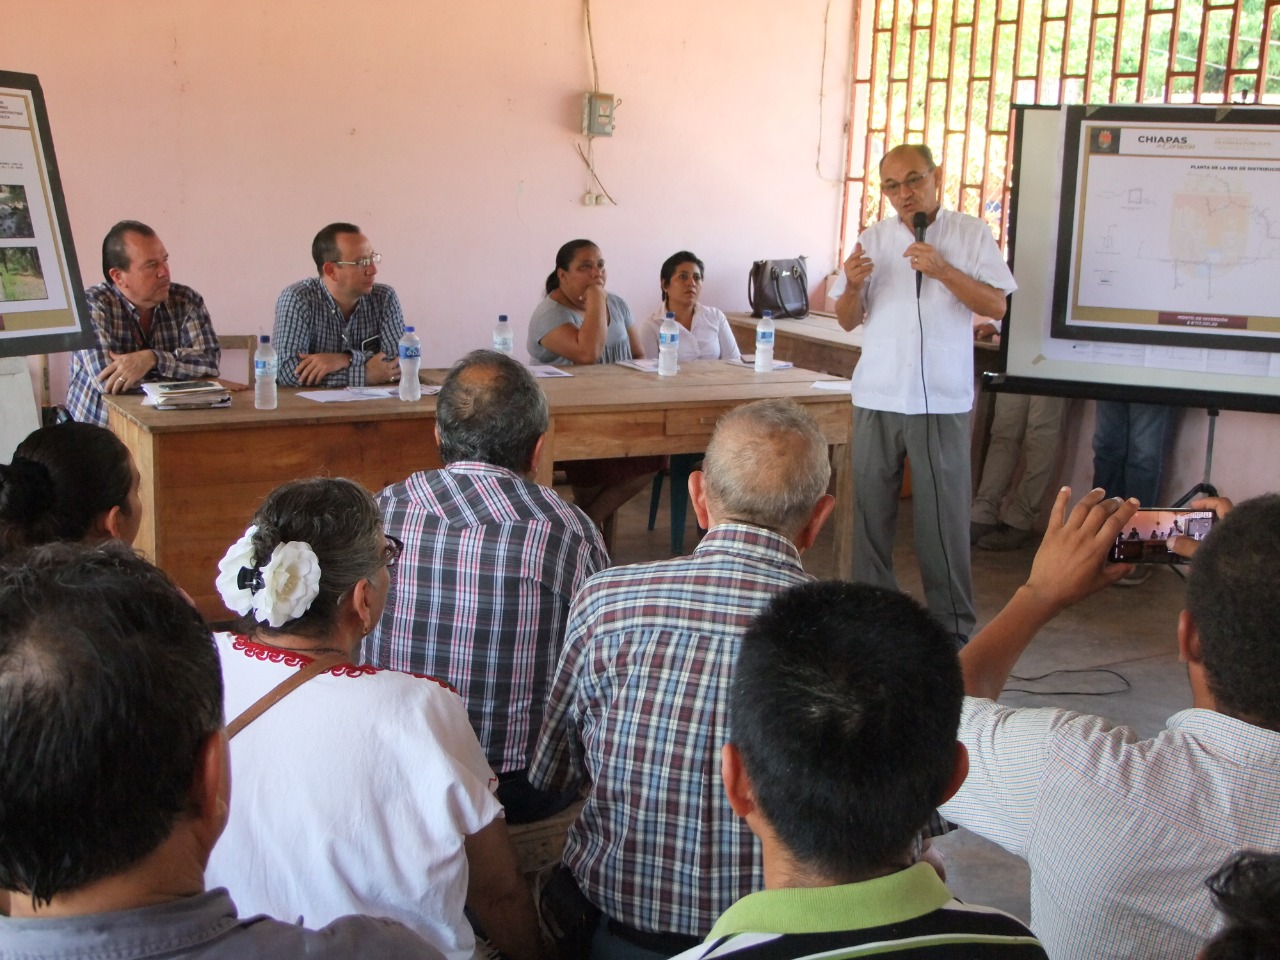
{"x":640,"y":711}
{"x":482,"y":592}
{"x":308,"y":320}
{"x":182,"y":339}
{"x":1120,"y":833}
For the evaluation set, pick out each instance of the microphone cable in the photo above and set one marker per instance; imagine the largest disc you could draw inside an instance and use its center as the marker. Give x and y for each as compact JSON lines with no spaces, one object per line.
{"x":933,"y":473}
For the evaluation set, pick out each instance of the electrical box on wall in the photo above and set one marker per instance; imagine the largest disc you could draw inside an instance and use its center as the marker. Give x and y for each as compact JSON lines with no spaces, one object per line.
{"x":597,"y":114}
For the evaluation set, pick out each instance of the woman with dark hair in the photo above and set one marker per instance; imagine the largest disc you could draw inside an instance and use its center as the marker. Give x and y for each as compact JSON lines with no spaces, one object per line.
{"x":73,"y":481}
{"x":578,"y":322}
{"x":362,"y":790}
{"x":706,"y":334}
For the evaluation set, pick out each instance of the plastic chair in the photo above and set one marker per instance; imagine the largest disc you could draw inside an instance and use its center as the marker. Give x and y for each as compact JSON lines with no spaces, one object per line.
{"x":679,"y":467}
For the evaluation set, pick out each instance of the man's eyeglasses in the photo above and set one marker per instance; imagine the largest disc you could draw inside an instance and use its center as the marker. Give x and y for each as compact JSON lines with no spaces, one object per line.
{"x":364,"y":263}
{"x":911,"y":183}
{"x":391,"y":550}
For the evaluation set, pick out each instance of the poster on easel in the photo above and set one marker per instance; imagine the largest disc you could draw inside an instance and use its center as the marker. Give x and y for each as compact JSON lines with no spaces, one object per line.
{"x":42,"y":307}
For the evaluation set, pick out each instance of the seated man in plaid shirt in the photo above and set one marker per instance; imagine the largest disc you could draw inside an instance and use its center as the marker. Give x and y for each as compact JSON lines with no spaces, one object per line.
{"x":491,"y":560}
{"x":339,"y":328}
{"x":639,"y":708}
{"x":145,"y":326}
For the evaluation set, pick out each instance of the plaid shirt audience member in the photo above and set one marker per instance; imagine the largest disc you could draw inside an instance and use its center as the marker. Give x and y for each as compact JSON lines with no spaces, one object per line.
{"x":482,"y":593}
{"x":640,"y":710}
{"x":308,"y":321}
{"x":182,"y":339}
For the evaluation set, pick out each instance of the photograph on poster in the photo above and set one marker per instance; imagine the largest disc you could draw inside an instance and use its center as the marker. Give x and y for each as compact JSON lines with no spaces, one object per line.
{"x":41,"y":304}
{"x":15,"y":218}
{"x":20,"y":275}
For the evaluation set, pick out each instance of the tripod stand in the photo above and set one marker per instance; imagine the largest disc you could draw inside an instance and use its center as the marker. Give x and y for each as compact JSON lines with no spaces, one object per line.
{"x":1204,"y":488}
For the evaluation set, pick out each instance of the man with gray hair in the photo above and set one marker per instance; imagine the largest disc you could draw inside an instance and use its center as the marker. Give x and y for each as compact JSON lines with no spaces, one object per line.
{"x":639,"y":708}
{"x":491,"y":560}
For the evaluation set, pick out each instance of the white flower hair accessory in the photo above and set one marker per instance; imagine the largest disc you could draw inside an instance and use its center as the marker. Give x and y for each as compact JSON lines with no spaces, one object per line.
{"x":237,"y":589}
{"x":290,"y":581}
{"x":278,"y":592}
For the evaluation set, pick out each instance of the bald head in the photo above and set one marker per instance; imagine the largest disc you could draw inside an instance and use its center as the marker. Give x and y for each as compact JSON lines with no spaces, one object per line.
{"x":910,"y":151}
{"x":492,"y":410}
{"x":766,"y":465}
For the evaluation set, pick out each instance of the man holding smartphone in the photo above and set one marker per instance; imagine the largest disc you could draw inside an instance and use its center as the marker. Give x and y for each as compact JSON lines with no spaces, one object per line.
{"x":335,"y":330}
{"x":1120,"y":831}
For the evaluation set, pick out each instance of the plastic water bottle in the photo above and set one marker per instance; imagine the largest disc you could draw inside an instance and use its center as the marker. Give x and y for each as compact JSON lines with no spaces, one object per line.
{"x":410,"y":360}
{"x":265,"y":365}
{"x":668,"y":346}
{"x":764,"y":343}
{"x":504,"y":340}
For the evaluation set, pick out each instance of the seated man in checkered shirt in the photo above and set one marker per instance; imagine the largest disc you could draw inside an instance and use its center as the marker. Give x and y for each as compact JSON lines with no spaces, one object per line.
{"x":491,"y":560}
{"x":1120,"y":832}
{"x":339,"y":328}
{"x":639,"y":707}
{"x":145,"y":326}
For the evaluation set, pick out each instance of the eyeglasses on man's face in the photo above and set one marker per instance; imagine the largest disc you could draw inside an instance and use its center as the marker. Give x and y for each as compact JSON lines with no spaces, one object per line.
{"x":364,"y":263}
{"x":391,"y":550}
{"x":912,"y":183}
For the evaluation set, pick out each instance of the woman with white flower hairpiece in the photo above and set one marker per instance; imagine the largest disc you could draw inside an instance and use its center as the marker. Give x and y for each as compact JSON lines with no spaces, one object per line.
{"x":362,"y":790}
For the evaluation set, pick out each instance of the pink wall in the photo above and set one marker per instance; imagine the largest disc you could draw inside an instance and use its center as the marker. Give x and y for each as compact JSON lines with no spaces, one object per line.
{"x":238,"y":128}
{"x":447,"y":132}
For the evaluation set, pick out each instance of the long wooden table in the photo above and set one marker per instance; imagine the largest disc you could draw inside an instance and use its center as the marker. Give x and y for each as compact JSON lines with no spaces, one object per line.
{"x":204,"y":472}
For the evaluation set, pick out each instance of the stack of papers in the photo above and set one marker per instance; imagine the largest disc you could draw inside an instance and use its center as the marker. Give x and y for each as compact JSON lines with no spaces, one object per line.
{"x":185,"y":394}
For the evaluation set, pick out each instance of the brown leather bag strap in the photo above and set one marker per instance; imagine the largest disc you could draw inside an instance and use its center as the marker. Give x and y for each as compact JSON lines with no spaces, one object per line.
{"x":283,"y":689}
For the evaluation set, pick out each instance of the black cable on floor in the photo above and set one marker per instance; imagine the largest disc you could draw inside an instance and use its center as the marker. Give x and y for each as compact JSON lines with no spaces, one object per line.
{"x":1070,"y":693}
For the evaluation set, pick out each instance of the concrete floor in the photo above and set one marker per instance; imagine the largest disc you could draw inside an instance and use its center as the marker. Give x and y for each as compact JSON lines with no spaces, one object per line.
{"x":1130,"y":630}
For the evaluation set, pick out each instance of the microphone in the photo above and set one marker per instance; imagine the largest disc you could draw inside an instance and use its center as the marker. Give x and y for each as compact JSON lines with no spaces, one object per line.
{"x":918,"y":223}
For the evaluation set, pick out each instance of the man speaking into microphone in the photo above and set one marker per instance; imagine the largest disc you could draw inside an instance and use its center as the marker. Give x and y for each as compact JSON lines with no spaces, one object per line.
{"x":915,"y":282}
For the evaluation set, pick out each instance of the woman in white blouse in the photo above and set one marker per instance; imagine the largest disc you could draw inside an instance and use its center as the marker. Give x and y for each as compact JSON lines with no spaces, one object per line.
{"x":706,"y":334}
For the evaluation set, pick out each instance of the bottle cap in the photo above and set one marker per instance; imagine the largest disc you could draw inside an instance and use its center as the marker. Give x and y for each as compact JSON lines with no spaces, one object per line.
{"x":766,"y":314}
{"x":408,"y":329}
{"x":264,"y":338}
{"x":502,"y":318}
{"x":670,"y":315}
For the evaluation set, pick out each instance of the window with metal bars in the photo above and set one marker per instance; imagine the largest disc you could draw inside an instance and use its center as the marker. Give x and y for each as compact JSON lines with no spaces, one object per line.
{"x":946,"y":73}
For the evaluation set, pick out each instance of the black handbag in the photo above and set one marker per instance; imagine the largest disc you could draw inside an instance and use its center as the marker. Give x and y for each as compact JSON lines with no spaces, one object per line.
{"x":779,"y":285}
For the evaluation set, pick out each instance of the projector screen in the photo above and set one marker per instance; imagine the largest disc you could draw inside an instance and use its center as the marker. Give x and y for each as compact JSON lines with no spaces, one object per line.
{"x":1146,"y":245}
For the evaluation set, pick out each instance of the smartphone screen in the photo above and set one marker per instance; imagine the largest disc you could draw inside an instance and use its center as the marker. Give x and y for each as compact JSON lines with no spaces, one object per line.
{"x":1146,"y":537}
{"x":371,"y":344}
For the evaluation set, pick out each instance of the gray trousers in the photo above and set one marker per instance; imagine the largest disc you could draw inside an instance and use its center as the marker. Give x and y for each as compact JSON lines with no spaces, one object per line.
{"x":1030,"y":426}
{"x":938,"y":445}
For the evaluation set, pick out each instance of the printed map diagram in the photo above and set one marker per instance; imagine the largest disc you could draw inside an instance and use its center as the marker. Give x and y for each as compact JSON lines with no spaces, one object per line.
{"x":1181,"y":234}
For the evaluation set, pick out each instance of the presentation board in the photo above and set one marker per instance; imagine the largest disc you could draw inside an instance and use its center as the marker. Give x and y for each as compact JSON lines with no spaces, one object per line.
{"x":1146,"y":246}
{"x":42,"y":307}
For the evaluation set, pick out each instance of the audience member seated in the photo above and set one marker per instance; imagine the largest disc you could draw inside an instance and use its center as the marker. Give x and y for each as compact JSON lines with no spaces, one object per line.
{"x":116,"y":780}
{"x":706,"y":334}
{"x":340,"y":328}
{"x":491,"y":562}
{"x":843,"y":712}
{"x":579,"y":322}
{"x":1246,"y":891}
{"x":73,"y":481}
{"x":362,"y":790}
{"x":145,"y":327}
{"x":639,"y":706}
{"x":1119,"y":831}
